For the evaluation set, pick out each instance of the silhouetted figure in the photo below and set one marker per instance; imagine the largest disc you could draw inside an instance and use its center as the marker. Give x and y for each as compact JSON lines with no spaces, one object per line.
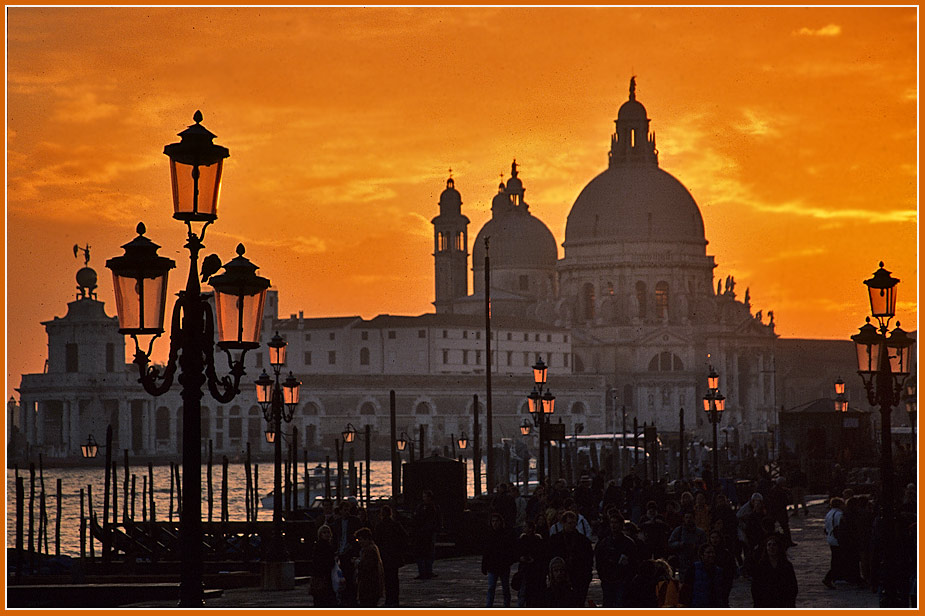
{"x":774,"y":583}
{"x":392,"y":541}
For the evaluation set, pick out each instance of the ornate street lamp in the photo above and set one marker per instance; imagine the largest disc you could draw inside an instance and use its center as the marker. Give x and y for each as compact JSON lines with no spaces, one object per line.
{"x":541,"y":405}
{"x":349,"y":433}
{"x":402,"y":441}
{"x":884,"y":365}
{"x":278,"y":400}
{"x":140,"y":285}
{"x":90,"y":448}
{"x":714,"y":403}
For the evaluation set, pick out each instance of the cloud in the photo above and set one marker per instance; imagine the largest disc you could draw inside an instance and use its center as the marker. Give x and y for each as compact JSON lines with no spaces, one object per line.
{"x":301,"y":244}
{"x":829,"y":30}
{"x":756,"y":125}
{"x":798,"y":208}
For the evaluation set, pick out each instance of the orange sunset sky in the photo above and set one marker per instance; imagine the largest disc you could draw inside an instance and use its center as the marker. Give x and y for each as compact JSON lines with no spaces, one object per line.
{"x":795,"y":129}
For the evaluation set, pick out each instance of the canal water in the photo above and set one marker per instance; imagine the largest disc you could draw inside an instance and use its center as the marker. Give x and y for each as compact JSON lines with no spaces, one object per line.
{"x":73,"y":479}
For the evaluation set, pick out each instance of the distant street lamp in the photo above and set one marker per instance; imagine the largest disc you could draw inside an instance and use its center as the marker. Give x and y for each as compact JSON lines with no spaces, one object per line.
{"x":884,"y":365}
{"x":278,"y":400}
{"x":402,"y":442}
{"x":463,"y":441}
{"x":841,"y":403}
{"x":525,"y":428}
{"x":714,"y":403}
{"x":542,"y":405}
{"x":90,"y":448}
{"x":140,"y":284}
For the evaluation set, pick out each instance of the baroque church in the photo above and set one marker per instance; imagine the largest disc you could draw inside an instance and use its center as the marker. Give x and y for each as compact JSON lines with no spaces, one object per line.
{"x":629,"y":321}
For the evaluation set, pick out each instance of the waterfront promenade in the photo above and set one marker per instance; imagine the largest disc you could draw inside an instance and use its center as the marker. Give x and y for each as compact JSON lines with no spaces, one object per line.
{"x":461,"y":584}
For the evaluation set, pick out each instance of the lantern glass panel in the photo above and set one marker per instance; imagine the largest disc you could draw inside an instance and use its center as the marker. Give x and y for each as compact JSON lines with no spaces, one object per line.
{"x":277,"y":356}
{"x":882,"y":301}
{"x":899,"y":359}
{"x":271,"y":436}
{"x":713,"y":381}
{"x":539,"y":373}
{"x":140,"y":303}
{"x":839,"y":387}
{"x":195,"y":199}
{"x":349,"y":435}
{"x":291,"y":392}
{"x":463,"y":443}
{"x":264,"y":393}
{"x":239,"y":318}
{"x":532,"y":401}
{"x":549,"y":404}
{"x":706,"y":404}
{"x":868,"y":357}
{"x":401,"y":443}
{"x":720,"y":403}
{"x":841,"y":406}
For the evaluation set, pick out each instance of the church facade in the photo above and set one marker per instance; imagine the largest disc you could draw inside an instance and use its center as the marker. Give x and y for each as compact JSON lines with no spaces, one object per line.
{"x":630,"y":321}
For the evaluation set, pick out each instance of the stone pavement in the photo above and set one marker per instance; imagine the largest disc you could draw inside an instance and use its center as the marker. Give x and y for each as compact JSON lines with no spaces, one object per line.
{"x":461,"y":584}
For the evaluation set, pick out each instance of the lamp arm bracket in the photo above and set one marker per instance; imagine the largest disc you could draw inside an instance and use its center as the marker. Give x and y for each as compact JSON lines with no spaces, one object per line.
{"x":202,"y":232}
{"x":223,"y":389}
{"x":149,"y":376}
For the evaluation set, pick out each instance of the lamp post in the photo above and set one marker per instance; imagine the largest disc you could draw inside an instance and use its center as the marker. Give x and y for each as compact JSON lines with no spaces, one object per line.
{"x":714,"y":403}
{"x":140,"y":284}
{"x":884,"y":364}
{"x":542,"y":404}
{"x":350,"y":434}
{"x":278,"y":401}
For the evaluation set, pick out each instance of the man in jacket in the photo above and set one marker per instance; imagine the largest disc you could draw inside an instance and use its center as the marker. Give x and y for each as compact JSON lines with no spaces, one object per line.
{"x":833,"y":520}
{"x":577,"y":552}
{"x":685,"y":542}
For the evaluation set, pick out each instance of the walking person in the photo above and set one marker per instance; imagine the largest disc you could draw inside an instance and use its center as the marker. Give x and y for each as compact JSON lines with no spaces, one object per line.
{"x":321,"y":585}
{"x":774,"y":583}
{"x":685,"y":541}
{"x":559,"y":589}
{"x":370,"y":582}
{"x":392,"y":540}
{"x":575,"y":549}
{"x":531,"y":568}
{"x":499,"y":554}
{"x":616,"y":559}
{"x":426,"y":524}
{"x":833,"y":520}
{"x":702,"y":583}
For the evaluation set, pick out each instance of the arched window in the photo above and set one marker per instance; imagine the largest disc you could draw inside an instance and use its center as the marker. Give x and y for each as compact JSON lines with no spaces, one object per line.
{"x":367,"y":408}
{"x":661,"y":299}
{"x":310,"y":408}
{"x":666,"y":362}
{"x":364,"y":356}
{"x":578,"y":408}
{"x":641,"y":298}
{"x":525,"y":408}
{"x":254,"y":425}
{"x":234,"y":423}
{"x":422,"y":409}
{"x":587,"y":300}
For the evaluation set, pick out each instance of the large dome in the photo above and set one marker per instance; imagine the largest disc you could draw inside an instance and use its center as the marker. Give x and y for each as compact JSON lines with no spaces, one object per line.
{"x":517,"y":239}
{"x":634,"y":202}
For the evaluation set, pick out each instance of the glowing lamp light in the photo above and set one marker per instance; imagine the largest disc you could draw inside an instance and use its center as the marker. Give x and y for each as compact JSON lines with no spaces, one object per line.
{"x":539,"y":373}
{"x":140,"y":281}
{"x":549,"y":403}
{"x":196,"y":173}
{"x":712,"y":379}
{"x":239,"y":300}
{"x":463,"y":441}
{"x":277,"y":346}
{"x":899,"y":352}
{"x":533,"y":401}
{"x":264,"y":390}
{"x":270,"y":435}
{"x":525,"y":428}
{"x":349,"y":434}
{"x":839,"y":387}
{"x":882,"y":290}
{"x":291,"y":387}
{"x":867,"y":342}
{"x":401,"y":442}
{"x":90,"y":448}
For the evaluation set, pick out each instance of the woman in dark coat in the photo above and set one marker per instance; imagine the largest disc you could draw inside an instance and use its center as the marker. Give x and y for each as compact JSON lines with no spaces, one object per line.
{"x":321,"y":565}
{"x":774,"y":583}
{"x":370,"y":575}
{"x":392,"y":540}
{"x":531,"y":553}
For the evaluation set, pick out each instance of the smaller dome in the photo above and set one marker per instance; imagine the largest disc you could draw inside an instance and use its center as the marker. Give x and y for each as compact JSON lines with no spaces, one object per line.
{"x":632,"y":110}
{"x":450,"y":196}
{"x":517,"y":240}
{"x":501,"y":202}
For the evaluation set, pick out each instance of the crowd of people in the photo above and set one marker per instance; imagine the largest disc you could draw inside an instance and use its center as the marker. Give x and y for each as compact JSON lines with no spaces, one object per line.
{"x":648,"y":545}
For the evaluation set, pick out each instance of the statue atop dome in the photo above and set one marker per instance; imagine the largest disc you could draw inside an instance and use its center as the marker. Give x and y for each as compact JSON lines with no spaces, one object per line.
{"x":86,"y":276}
{"x":633,"y":88}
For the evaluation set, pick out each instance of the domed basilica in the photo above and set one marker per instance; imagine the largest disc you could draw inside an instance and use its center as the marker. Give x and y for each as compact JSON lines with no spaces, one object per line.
{"x":635,"y":287}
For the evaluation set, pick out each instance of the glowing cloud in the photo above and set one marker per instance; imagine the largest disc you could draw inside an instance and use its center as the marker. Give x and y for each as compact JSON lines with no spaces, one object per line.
{"x":829,"y":30}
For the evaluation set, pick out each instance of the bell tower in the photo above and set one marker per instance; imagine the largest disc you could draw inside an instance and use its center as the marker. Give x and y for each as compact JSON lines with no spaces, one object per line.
{"x":451,"y":250}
